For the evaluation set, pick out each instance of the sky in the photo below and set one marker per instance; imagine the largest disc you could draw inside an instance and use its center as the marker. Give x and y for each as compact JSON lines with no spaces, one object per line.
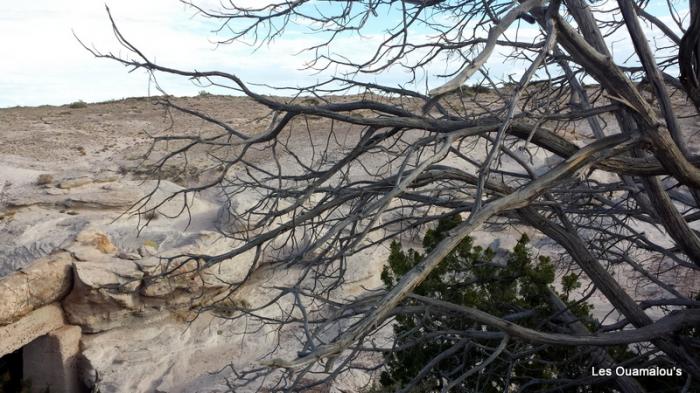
{"x":43,"y":62}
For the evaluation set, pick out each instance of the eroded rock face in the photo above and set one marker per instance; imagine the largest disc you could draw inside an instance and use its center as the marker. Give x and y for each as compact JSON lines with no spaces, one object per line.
{"x":164,"y":357}
{"x":100,"y":241}
{"x":37,"y":323}
{"x":180,"y":353}
{"x":75,"y":182}
{"x":72,"y":205}
{"x":111,"y":291}
{"x":41,"y":283}
{"x":88,"y":197}
{"x":38,"y":217}
{"x":61,"y":350}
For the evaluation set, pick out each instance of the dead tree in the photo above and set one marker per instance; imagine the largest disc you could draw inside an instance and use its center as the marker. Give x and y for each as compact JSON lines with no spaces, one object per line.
{"x":595,"y":152}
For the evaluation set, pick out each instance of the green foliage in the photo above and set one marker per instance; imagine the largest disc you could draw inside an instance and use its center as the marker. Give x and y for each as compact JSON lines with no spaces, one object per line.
{"x":77,"y":104}
{"x":311,"y":101}
{"x":469,"y":276}
{"x":480,"y":89}
{"x":569,"y":283}
{"x":474,"y":90}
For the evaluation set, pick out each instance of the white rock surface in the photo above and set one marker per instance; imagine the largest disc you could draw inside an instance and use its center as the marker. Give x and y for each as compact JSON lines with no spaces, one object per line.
{"x":46,"y":281}
{"x":37,"y":323}
{"x":164,"y":357}
{"x":140,"y":334}
{"x":51,"y":361}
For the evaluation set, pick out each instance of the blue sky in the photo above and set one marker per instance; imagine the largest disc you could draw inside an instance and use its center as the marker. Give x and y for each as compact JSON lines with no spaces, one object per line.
{"x":44,"y":64}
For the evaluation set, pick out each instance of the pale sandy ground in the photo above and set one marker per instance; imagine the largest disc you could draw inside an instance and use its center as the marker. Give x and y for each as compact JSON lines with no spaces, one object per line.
{"x":106,"y":143}
{"x":101,"y":141}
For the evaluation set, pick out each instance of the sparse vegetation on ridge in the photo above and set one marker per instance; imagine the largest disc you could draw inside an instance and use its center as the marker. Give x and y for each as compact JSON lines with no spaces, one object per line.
{"x":77,"y":104}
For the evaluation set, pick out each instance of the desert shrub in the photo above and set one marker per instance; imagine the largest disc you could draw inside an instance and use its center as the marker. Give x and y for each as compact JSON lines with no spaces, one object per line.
{"x":77,"y":104}
{"x":44,"y":179}
{"x":311,"y":101}
{"x":151,"y":243}
{"x":476,"y":89}
{"x":470,"y":276}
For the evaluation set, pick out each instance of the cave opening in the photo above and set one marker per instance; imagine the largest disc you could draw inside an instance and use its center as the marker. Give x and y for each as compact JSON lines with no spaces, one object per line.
{"x":11,"y":373}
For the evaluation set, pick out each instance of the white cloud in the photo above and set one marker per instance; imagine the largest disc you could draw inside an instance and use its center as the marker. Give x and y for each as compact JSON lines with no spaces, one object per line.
{"x":44,"y":63}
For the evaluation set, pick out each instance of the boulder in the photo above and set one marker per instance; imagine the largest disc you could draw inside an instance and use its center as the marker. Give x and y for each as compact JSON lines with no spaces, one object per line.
{"x":75,"y":182}
{"x":98,"y":240}
{"x":111,"y":292}
{"x":107,"y":177}
{"x":45,"y":281}
{"x":132,"y":256}
{"x":26,"y":329}
{"x":104,"y":294}
{"x":44,"y":179}
{"x":114,"y":274}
